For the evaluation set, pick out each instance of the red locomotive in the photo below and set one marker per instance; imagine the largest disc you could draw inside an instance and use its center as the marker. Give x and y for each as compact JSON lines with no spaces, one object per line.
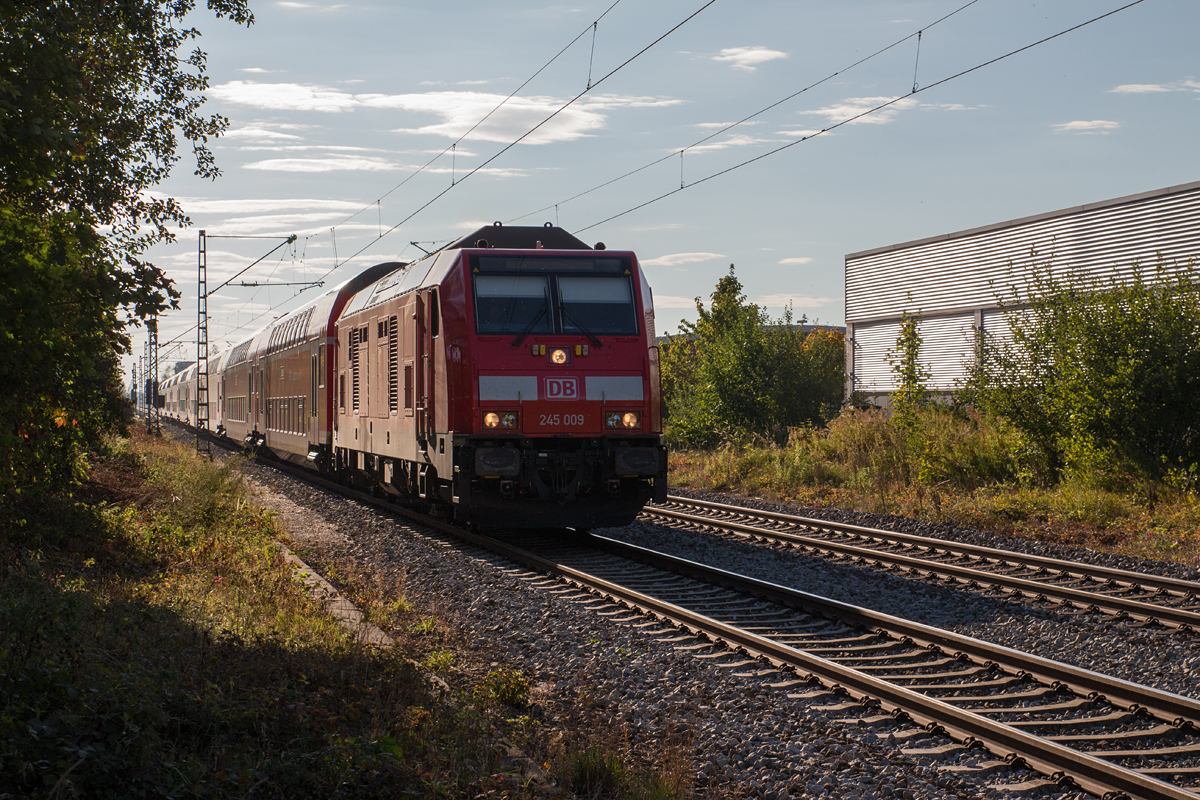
{"x":511,"y":377}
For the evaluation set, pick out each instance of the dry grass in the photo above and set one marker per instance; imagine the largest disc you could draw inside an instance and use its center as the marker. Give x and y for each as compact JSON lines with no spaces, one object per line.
{"x":153,"y":642}
{"x":968,"y":471}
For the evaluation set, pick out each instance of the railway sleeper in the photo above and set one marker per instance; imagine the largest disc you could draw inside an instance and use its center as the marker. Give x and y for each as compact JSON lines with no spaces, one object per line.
{"x":1155,"y":732}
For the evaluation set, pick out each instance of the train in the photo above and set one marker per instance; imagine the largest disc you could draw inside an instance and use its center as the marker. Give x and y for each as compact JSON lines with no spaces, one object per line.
{"x":509,"y":379}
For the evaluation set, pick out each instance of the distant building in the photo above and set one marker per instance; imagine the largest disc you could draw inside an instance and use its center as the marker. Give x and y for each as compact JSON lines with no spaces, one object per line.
{"x":953,"y":280}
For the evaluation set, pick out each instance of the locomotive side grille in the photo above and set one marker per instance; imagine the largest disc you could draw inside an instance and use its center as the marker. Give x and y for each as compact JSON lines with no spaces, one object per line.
{"x":353,"y":348}
{"x":393,"y":363}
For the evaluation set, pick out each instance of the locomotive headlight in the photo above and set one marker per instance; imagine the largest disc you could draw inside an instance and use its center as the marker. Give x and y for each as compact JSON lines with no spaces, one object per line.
{"x":508,"y":420}
{"x":559,"y":355}
{"x":631,"y":419}
{"x":491,"y":420}
{"x":612,"y":419}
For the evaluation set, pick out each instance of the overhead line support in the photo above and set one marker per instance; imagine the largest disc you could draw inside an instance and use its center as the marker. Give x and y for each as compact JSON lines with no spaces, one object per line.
{"x":202,"y":443}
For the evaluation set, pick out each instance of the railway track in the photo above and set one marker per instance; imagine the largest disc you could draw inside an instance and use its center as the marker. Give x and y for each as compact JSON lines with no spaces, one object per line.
{"x":1109,"y":737}
{"x":1076,"y":588}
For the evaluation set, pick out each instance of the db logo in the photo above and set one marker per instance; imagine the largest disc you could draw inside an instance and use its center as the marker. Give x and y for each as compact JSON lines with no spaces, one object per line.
{"x":562,"y":389}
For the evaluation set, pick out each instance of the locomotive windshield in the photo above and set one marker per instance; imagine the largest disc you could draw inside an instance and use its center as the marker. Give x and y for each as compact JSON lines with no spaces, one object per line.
{"x":522,"y":295}
{"x":597,"y":305}
{"x":512,"y":304}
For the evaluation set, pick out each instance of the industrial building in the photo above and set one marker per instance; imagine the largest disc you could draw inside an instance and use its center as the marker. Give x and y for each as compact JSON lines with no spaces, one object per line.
{"x":954,"y":281}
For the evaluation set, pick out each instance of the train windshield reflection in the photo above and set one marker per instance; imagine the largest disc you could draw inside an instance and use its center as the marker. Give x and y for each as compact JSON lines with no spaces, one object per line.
{"x":597,"y":305}
{"x":512,"y":304}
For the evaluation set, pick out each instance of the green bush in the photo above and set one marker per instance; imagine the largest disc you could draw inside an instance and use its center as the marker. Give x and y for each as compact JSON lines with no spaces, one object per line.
{"x":735,"y":373}
{"x":1102,"y":374}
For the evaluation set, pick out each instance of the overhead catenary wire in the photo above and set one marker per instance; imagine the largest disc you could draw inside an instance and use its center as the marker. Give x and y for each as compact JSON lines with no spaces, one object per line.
{"x":498,"y":106}
{"x":746,"y":119}
{"x":287,"y":240}
{"x":862,"y":114}
{"x":452,"y":148}
{"x":523,"y":136}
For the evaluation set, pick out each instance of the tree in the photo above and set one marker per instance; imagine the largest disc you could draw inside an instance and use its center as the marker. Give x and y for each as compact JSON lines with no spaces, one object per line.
{"x":911,"y":394}
{"x":735,"y":372}
{"x":1103,"y":373}
{"x":94,"y":99}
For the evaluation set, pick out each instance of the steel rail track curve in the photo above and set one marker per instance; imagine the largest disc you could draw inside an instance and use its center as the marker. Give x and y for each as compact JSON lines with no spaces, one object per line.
{"x":810,"y":533}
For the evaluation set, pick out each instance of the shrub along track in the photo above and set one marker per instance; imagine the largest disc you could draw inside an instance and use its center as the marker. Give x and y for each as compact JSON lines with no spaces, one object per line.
{"x":1110,"y":737}
{"x":1142,"y":599}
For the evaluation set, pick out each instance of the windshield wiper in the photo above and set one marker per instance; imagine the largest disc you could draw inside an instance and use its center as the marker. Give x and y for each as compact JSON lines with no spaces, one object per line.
{"x":541,"y":313}
{"x":582,"y":329}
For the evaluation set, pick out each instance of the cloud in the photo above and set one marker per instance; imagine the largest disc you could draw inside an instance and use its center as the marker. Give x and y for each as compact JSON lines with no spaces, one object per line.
{"x":1188,"y":85}
{"x":748,"y":58}
{"x":298,"y":148}
{"x":852,"y":107}
{"x":673,"y":301}
{"x":679,"y":258}
{"x":284,"y":96}
{"x":725,"y":124}
{"x":259,"y":134}
{"x":258,"y":70}
{"x":458,"y":110}
{"x":204,"y":205}
{"x":802,"y":134}
{"x":801,"y":260}
{"x":331,"y":164}
{"x":1086,"y":126}
{"x":351,"y":163}
{"x":780,"y":300}
{"x":736,"y":140}
{"x":292,"y":223}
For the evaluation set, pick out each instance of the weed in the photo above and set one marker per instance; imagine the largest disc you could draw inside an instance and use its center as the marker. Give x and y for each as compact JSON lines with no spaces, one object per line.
{"x":507,"y":687}
{"x":594,"y":772}
{"x":438,"y":662}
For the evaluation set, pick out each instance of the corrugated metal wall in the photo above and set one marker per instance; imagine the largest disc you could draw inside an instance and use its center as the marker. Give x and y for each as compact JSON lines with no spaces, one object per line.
{"x":954,"y":280}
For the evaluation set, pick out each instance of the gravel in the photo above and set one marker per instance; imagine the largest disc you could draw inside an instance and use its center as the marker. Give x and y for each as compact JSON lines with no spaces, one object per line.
{"x":747,"y":730}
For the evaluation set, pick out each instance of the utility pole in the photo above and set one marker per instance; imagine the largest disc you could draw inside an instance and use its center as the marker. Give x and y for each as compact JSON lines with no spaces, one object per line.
{"x":152,"y":416}
{"x":203,"y":445}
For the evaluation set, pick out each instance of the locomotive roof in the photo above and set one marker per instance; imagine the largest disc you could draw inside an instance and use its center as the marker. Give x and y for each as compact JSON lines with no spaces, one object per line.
{"x":517,"y":237}
{"x":432,"y":269}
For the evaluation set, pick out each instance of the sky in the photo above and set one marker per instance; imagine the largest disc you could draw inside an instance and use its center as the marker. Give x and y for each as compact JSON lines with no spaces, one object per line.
{"x":335,"y":108}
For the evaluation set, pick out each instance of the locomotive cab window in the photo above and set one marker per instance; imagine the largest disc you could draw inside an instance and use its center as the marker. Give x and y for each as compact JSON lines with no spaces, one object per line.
{"x":531,"y":294}
{"x":597,"y":304}
{"x":511,"y":304}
